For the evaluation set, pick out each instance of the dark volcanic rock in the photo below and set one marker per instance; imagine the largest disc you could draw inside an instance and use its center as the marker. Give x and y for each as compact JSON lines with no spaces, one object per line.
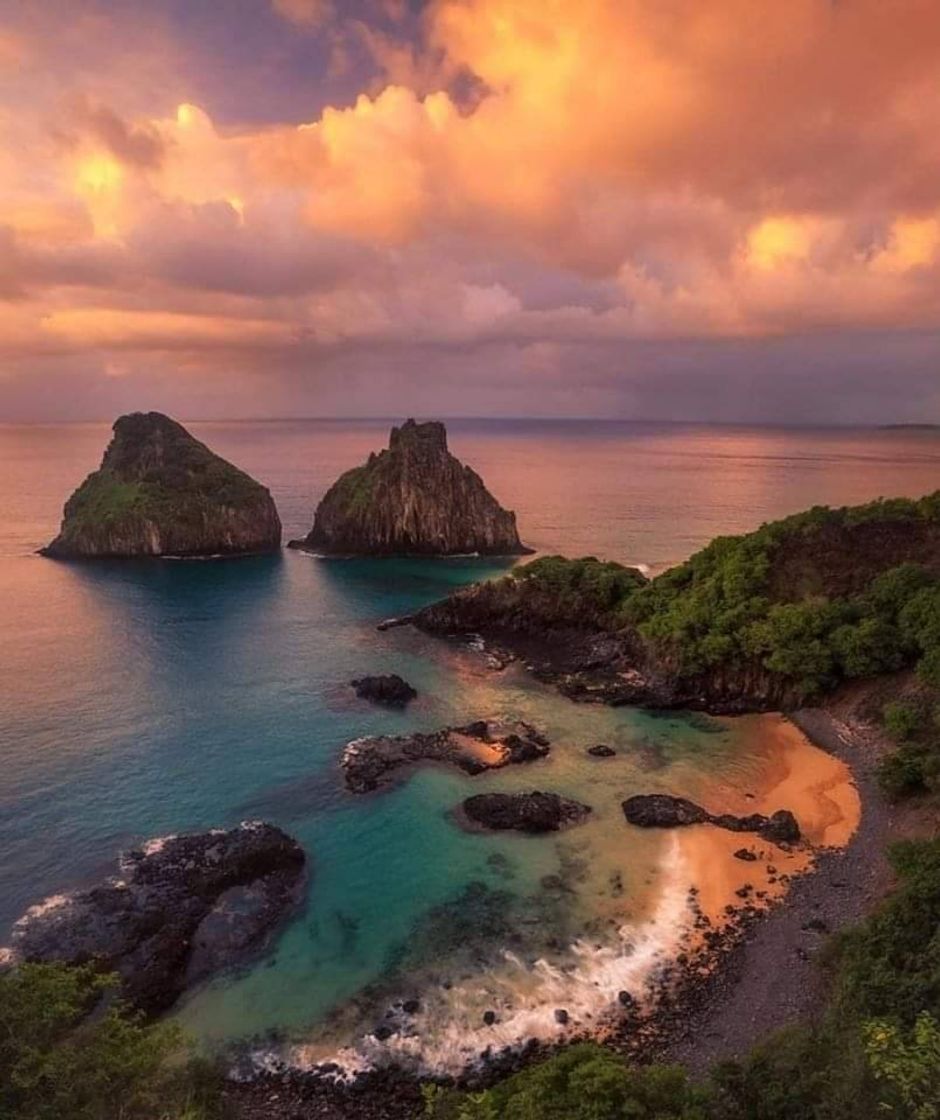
{"x":184,"y":907}
{"x":661,"y":810}
{"x":482,"y":745}
{"x":389,"y":689}
{"x":414,"y":498}
{"x":160,"y":492}
{"x":524,"y":812}
{"x":745,"y":854}
{"x":601,"y":751}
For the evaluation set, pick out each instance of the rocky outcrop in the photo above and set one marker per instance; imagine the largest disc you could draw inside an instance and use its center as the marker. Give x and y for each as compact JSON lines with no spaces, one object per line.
{"x":661,"y":810}
{"x":183,"y":908}
{"x":160,"y":492}
{"x":523,"y":812}
{"x":389,"y":689}
{"x":414,"y":498}
{"x":483,"y":745}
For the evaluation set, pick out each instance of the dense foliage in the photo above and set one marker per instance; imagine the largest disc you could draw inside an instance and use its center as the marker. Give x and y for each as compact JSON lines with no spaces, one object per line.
{"x":795,"y":597}
{"x":594,"y":588}
{"x":914,"y":724}
{"x":774,"y":596}
{"x":69,"y":1052}
{"x":875,"y":1051}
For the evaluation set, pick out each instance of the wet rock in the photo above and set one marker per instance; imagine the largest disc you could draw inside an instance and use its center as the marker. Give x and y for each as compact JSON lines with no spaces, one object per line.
{"x":601,"y":751}
{"x":662,"y":810}
{"x":474,"y":748}
{"x":524,"y":812}
{"x":746,"y":854}
{"x":382,"y":1032}
{"x":389,"y":689}
{"x":489,"y":1018}
{"x":184,"y":908}
{"x":561,"y":1016}
{"x":625,"y":999}
{"x":411,"y":1006}
{"x":782,"y":828}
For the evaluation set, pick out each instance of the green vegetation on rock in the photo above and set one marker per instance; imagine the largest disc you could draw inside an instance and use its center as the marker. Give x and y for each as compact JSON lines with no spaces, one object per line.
{"x":68,"y":1052}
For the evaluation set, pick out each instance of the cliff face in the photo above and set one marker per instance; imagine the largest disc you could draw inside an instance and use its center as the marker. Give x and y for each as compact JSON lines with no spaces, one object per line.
{"x":160,"y":492}
{"x":414,"y":498}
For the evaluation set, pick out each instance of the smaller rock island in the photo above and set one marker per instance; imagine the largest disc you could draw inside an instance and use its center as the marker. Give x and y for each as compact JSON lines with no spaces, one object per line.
{"x":388,"y":689}
{"x":160,"y":492}
{"x":533,"y":812}
{"x":412,"y":499}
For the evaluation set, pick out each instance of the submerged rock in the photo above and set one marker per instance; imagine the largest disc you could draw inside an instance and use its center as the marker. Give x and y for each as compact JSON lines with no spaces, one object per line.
{"x":601,"y":751}
{"x":661,"y":810}
{"x":483,"y":745}
{"x":524,"y":812}
{"x":160,"y":492}
{"x":414,"y":498}
{"x":389,"y":689}
{"x":184,"y":908}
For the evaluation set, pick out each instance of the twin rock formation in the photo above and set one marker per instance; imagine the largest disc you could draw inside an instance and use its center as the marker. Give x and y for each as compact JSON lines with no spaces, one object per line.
{"x":160,"y":492}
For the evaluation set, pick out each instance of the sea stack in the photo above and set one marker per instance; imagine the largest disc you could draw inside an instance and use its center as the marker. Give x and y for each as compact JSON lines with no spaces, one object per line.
{"x":414,"y":498}
{"x":160,"y":492}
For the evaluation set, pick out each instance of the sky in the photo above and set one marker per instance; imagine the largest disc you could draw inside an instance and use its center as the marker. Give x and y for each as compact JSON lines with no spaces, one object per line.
{"x":719,"y":210}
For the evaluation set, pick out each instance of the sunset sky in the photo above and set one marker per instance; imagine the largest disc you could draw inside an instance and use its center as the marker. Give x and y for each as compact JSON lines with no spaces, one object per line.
{"x":693,"y":209}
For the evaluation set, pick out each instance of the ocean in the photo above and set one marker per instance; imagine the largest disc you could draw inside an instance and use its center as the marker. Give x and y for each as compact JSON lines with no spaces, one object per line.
{"x":143,"y":699}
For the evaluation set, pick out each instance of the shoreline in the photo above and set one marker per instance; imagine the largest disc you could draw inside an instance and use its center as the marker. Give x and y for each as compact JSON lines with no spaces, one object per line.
{"x":758,"y":973}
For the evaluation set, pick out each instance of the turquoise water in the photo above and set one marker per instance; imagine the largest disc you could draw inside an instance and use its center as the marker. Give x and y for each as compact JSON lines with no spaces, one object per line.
{"x":138,"y":700}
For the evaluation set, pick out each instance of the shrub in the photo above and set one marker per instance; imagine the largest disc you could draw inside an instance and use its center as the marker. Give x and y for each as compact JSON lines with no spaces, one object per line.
{"x":65,"y":1052}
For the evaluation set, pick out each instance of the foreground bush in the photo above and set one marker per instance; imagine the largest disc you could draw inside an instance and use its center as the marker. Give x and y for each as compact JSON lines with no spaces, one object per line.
{"x":68,"y":1051}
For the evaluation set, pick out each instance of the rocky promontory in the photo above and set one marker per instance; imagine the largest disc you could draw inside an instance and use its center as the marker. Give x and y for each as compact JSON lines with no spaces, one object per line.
{"x":474,"y":748}
{"x":662,"y":810}
{"x":533,"y":812}
{"x":414,"y":498}
{"x":160,"y":492}
{"x":182,"y":908}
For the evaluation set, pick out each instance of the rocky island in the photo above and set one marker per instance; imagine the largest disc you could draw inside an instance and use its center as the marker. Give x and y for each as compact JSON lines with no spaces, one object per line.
{"x":183,"y":908}
{"x":388,"y":689}
{"x":533,"y":812}
{"x":160,"y":492}
{"x":414,"y":498}
{"x":475,"y":748}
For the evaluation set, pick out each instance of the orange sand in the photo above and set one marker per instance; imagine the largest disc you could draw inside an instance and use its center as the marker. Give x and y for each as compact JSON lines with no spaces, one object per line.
{"x":816,"y":787}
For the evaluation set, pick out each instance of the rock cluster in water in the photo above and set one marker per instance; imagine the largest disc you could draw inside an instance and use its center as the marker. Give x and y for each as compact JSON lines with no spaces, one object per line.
{"x":524,"y":812}
{"x":389,"y":689}
{"x":483,"y":745}
{"x":160,"y":492}
{"x":661,"y":810}
{"x":414,"y":498}
{"x":183,"y":908}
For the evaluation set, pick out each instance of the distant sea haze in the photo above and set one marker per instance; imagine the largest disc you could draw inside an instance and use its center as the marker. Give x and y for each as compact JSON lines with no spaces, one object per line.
{"x":141,"y":699}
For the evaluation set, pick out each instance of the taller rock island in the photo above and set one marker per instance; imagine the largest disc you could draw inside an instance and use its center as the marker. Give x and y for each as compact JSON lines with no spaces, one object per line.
{"x":160,"y":492}
{"x":413,"y":499}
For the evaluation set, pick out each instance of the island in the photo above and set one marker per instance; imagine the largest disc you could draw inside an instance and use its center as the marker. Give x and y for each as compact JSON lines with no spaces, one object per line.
{"x":531,"y":813}
{"x":413,"y":499}
{"x":160,"y":492}
{"x":182,"y":908}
